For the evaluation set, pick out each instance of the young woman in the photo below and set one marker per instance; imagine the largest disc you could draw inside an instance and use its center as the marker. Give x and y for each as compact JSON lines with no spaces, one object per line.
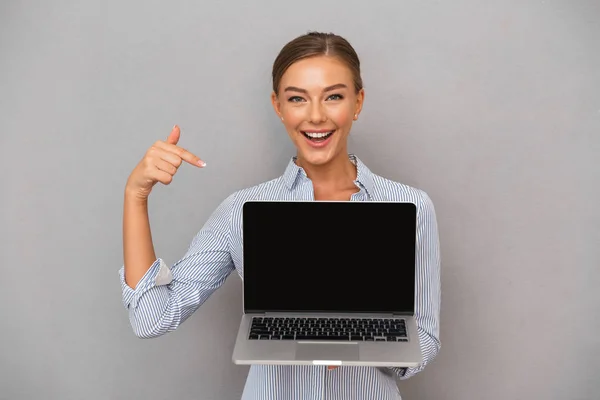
{"x":317,"y":94}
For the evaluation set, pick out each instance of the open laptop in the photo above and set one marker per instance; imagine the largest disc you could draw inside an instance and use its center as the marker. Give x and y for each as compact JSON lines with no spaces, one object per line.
{"x":328,"y":283}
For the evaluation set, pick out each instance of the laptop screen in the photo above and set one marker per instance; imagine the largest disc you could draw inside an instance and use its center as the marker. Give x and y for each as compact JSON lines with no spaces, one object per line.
{"x":329,"y":256}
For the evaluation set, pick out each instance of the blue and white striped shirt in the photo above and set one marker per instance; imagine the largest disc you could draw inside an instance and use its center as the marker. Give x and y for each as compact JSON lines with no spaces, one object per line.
{"x":166,"y":296}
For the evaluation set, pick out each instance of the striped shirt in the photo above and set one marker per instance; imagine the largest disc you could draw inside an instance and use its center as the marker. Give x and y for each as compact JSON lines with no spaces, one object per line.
{"x":166,"y":296}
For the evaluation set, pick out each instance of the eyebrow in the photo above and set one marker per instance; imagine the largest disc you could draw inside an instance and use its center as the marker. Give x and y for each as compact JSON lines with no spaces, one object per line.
{"x":327,"y":89}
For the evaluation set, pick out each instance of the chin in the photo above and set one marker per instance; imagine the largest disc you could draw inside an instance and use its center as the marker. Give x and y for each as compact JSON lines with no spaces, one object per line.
{"x":318,"y":157}
{"x":315,"y":159}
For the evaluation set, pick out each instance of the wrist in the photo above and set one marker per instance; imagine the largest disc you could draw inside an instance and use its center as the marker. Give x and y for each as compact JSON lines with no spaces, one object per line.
{"x":134,"y":197}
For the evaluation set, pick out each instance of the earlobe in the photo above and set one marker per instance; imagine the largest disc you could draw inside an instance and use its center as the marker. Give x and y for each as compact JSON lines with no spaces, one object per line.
{"x":359,"y":102}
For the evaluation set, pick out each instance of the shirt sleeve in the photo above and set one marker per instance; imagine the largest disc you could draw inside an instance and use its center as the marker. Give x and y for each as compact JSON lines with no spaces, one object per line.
{"x":165,"y":297}
{"x":428,"y":286}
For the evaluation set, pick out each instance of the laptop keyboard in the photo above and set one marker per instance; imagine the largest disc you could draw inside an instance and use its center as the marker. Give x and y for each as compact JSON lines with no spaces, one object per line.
{"x":330,"y":329}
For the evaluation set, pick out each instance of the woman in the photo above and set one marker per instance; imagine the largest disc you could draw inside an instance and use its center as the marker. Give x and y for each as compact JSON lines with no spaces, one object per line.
{"x":317,"y":94}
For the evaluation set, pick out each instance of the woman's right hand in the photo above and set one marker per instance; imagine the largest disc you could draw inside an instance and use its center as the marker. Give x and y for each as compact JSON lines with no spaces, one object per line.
{"x":160,"y":164}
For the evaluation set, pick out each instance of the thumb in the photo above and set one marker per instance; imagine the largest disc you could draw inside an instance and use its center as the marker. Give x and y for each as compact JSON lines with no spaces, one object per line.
{"x":174,"y":135}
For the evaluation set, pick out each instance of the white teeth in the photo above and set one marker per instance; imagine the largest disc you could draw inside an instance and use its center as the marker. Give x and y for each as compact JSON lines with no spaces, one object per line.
{"x":317,"y":135}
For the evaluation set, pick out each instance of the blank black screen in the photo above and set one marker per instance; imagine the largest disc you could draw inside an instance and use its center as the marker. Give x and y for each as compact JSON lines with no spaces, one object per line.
{"x":329,"y":256}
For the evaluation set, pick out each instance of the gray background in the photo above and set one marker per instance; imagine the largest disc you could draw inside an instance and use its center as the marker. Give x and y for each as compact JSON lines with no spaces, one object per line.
{"x":493,"y":109}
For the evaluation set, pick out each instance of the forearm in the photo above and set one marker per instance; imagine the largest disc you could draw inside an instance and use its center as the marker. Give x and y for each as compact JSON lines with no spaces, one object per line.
{"x":138,"y":249}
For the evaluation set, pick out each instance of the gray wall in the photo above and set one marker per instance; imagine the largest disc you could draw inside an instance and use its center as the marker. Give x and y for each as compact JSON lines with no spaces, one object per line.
{"x":493,"y":109}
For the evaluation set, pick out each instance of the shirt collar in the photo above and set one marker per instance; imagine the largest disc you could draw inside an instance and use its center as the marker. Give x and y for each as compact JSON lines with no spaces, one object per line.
{"x":364,"y":176}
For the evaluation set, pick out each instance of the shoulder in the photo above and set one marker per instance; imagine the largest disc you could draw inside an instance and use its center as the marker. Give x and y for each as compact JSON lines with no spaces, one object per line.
{"x":384,"y":189}
{"x":390,"y":190}
{"x":270,"y":189}
{"x":228,"y":214}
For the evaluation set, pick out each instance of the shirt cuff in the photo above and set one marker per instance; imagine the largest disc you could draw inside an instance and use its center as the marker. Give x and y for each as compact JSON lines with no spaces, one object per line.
{"x":158,"y":274}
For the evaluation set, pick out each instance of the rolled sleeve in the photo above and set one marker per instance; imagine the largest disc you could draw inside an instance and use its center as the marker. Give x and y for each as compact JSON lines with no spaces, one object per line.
{"x":158,"y":274}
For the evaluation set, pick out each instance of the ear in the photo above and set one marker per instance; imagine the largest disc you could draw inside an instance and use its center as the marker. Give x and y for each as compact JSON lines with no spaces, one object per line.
{"x":360,"y":98}
{"x":276,"y":104}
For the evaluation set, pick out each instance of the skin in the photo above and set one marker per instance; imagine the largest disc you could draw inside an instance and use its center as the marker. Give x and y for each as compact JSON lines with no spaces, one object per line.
{"x":318,"y":93}
{"x":315,"y":93}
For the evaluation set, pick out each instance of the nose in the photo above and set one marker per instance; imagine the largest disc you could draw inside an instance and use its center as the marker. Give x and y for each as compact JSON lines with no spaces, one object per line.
{"x":317,"y":113}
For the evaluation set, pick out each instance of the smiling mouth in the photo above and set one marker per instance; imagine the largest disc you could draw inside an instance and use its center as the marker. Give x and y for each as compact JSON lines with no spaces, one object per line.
{"x":317,"y":136}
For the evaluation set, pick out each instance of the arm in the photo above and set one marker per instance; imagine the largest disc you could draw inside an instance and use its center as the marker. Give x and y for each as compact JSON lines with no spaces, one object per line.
{"x":428,"y":286}
{"x":164,"y":297}
{"x":138,"y":249}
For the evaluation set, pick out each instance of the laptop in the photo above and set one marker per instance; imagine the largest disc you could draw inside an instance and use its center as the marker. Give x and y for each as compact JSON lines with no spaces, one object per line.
{"x":328,"y":283}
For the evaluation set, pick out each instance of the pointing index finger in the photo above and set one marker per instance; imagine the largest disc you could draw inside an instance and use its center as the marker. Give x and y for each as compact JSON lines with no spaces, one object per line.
{"x":190,"y":158}
{"x":181,"y":153}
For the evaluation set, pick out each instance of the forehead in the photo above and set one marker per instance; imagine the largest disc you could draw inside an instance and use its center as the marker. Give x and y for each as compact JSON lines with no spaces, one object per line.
{"x":317,"y":72}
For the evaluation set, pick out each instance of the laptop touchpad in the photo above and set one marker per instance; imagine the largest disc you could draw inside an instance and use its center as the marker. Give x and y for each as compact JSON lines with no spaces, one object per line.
{"x":327,"y":351}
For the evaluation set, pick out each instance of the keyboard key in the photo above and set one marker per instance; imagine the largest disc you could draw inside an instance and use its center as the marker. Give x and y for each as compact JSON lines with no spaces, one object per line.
{"x":330,"y":338}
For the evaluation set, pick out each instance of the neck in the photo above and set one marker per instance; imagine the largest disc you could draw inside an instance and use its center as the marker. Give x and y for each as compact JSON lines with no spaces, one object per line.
{"x":339,"y":173}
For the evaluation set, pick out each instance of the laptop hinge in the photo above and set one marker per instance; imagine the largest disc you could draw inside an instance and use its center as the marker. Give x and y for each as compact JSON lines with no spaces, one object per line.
{"x":393,"y":314}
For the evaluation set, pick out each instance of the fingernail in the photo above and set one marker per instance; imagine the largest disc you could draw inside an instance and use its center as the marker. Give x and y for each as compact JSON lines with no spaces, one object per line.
{"x":202,"y":163}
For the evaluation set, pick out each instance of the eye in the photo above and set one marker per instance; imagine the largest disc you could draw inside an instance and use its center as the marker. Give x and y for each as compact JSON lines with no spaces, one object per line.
{"x":335,"y":97}
{"x":295,"y":99}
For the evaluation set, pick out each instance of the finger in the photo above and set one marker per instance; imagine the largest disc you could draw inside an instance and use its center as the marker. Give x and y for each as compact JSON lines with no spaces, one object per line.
{"x":166,"y":166}
{"x":171,"y":158}
{"x":163,"y":177}
{"x":182,"y":153}
{"x":174,"y":135}
{"x":330,"y":367}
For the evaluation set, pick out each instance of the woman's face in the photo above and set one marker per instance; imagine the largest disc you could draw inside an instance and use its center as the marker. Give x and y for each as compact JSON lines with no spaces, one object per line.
{"x":317,"y":103}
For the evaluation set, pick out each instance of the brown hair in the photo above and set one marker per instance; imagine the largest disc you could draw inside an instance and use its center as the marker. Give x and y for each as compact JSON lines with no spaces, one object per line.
{"x":315,"y":44}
